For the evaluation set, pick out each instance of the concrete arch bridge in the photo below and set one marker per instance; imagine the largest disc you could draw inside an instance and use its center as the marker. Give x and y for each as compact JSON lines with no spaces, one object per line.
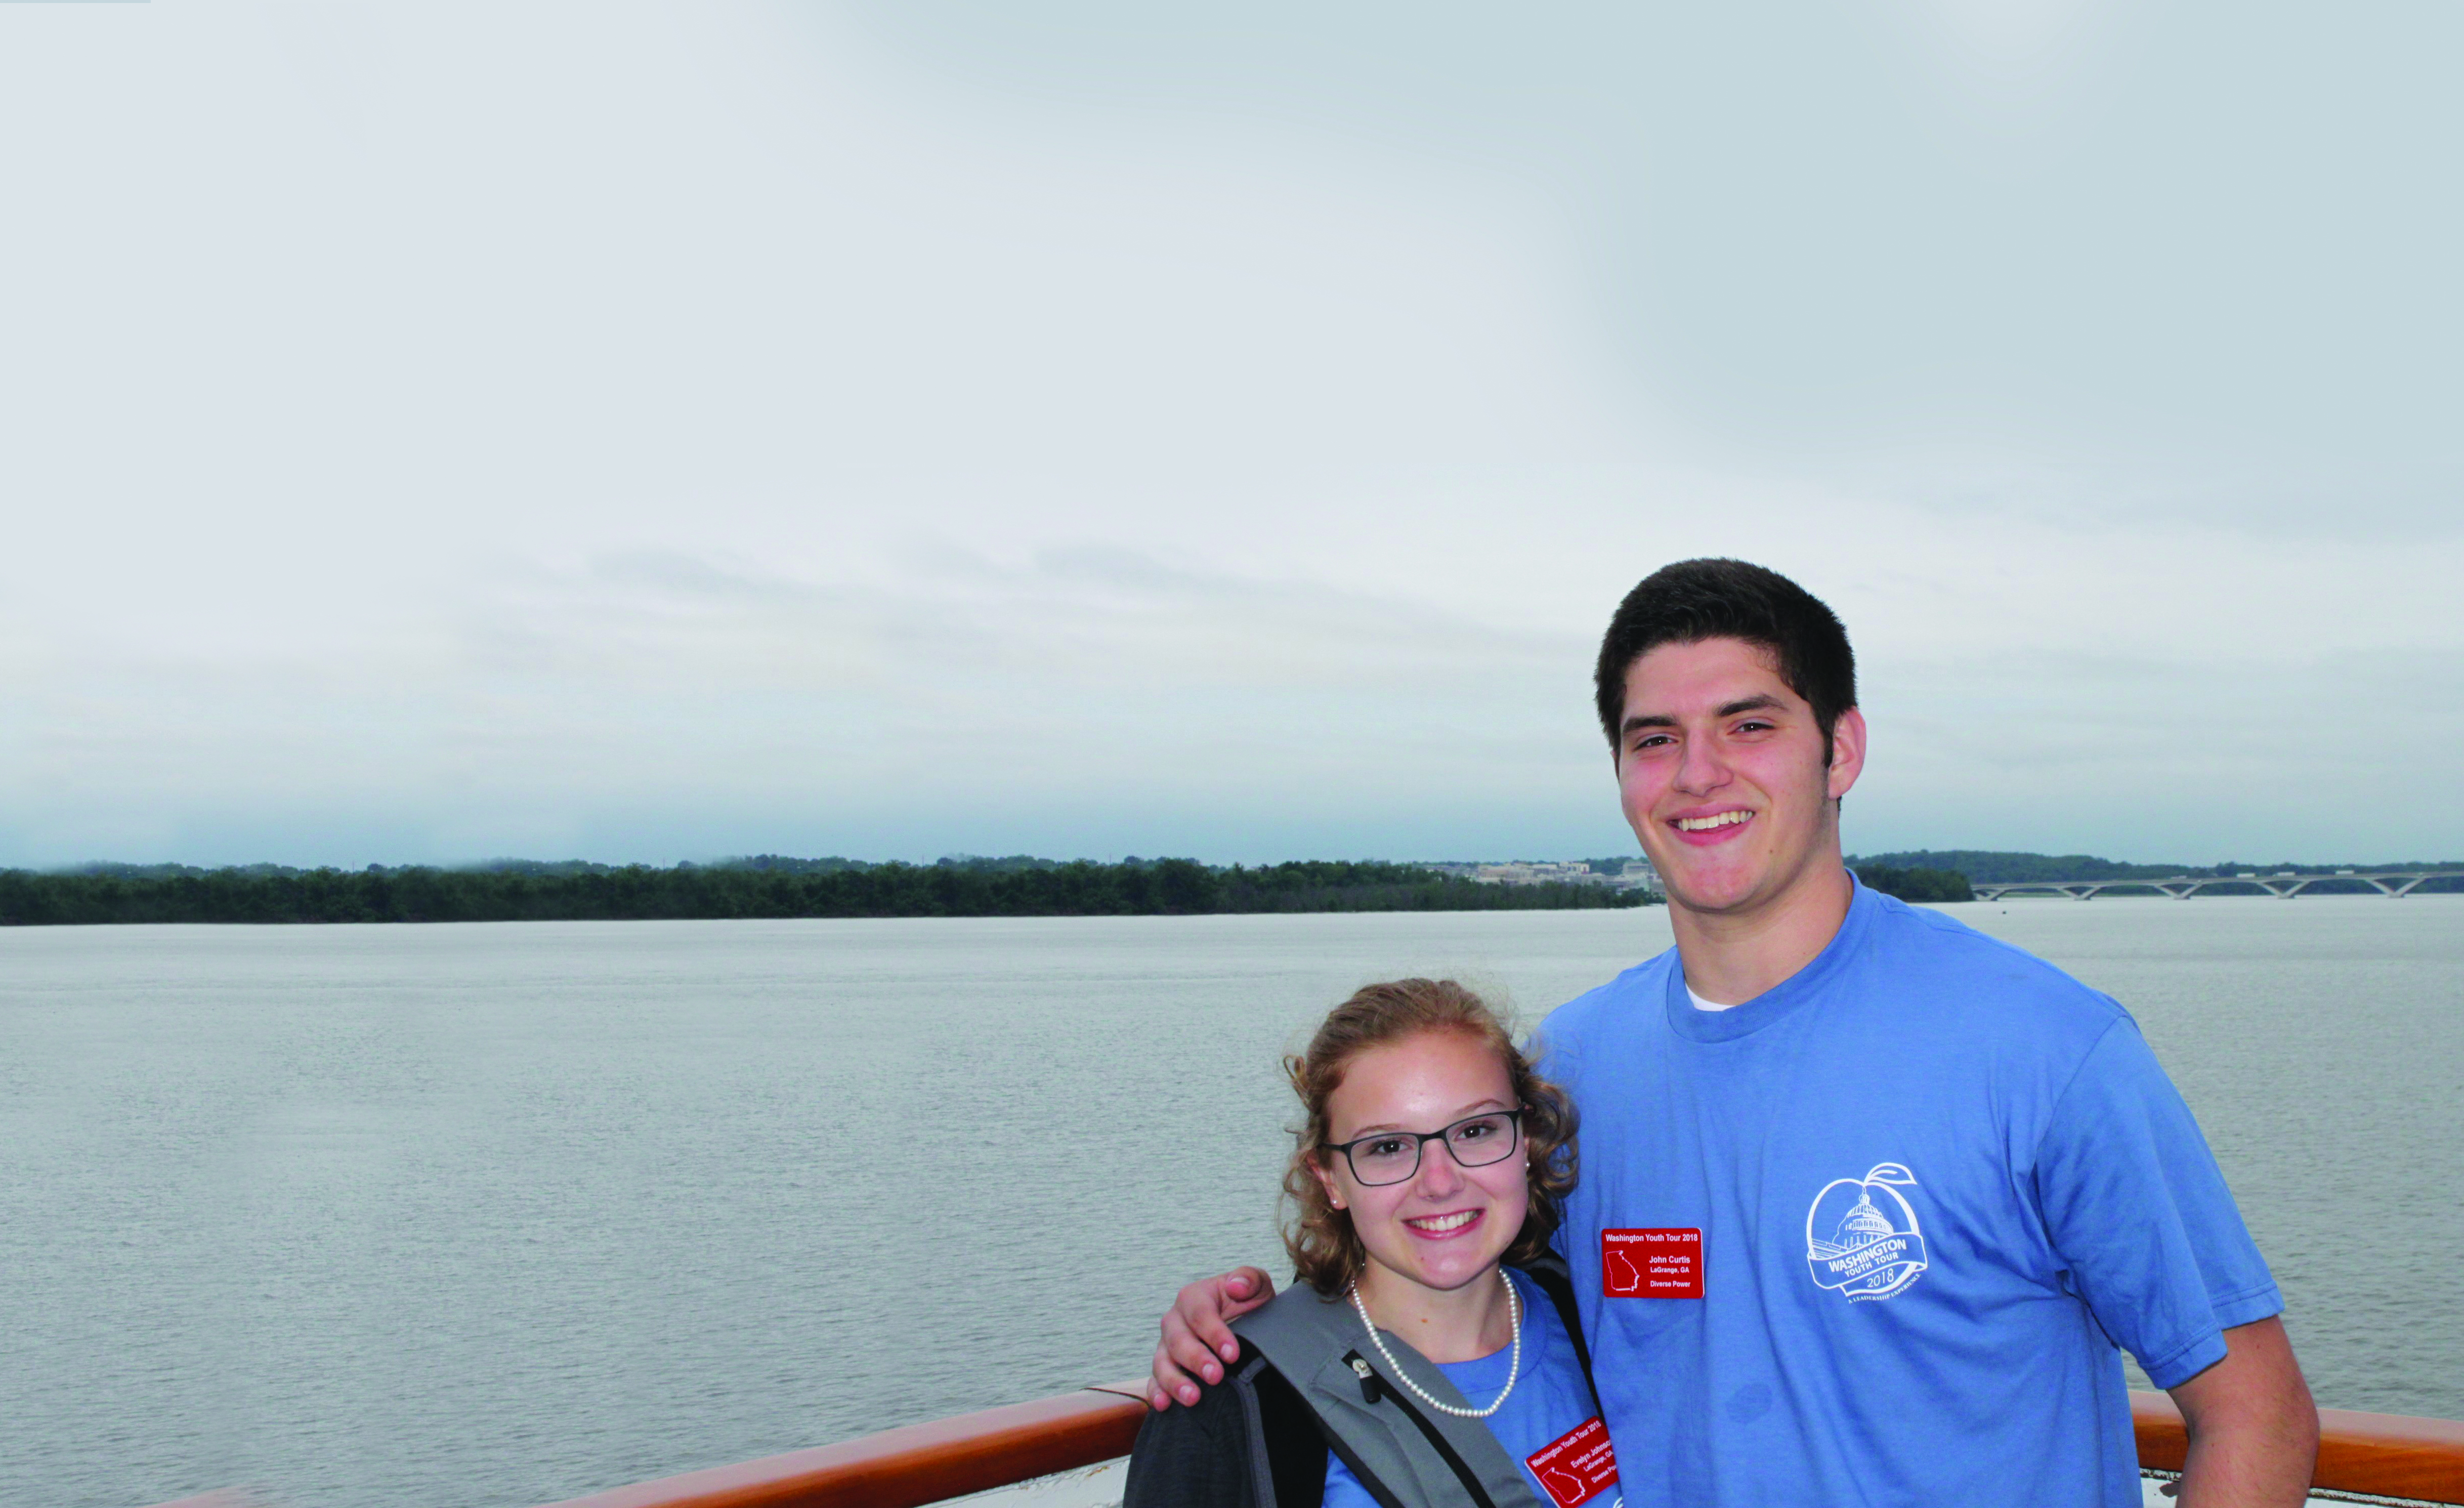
{"x":2182,"y":887}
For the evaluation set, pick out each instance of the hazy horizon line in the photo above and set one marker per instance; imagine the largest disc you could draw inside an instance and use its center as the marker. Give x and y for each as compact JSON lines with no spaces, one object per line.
{"x":720,"y":861}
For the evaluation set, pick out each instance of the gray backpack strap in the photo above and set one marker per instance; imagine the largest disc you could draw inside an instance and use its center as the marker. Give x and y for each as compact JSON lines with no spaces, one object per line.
{"x":1402,"y":1449}
{"x":1262,"y":1460}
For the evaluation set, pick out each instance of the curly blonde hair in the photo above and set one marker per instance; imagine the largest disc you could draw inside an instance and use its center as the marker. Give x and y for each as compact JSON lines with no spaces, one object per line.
{"x":1327,"y":1254}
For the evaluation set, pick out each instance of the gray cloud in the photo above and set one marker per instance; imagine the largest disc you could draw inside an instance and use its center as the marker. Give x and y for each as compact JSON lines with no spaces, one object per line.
{"x":670,"y":431}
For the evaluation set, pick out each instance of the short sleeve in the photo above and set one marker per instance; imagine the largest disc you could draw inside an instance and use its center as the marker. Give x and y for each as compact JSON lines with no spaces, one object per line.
{"x":2140,"y":1216}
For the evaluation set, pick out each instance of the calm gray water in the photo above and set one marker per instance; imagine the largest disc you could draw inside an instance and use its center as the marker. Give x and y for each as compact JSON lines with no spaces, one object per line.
{"x":496,"y":1215}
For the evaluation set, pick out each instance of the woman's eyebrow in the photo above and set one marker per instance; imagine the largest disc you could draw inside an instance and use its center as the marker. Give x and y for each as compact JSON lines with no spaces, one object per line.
{"x":1486,"y":1101}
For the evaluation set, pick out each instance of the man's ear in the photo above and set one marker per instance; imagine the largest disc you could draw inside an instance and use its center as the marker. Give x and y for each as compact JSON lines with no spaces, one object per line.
{"x":1847,"y":752}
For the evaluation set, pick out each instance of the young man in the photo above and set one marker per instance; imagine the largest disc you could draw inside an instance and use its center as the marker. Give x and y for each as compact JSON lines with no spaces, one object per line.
{"x":1869,"y":1200}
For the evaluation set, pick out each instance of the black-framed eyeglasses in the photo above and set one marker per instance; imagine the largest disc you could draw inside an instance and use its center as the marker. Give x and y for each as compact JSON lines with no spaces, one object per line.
{"x":1390,"y":1156}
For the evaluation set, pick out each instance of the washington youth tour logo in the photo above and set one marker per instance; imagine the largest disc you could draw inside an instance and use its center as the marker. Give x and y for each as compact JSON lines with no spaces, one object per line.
{"x":1861,"y":1237}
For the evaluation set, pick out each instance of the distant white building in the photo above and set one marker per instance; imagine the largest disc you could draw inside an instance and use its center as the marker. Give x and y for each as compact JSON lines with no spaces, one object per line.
{"x":1639,"y":874}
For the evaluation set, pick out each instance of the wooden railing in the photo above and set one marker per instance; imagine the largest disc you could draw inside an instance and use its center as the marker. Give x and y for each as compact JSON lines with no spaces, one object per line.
{"x":2384,"y":1454}
{"x":2387,"y":1455}
{"x":921,"y":1463}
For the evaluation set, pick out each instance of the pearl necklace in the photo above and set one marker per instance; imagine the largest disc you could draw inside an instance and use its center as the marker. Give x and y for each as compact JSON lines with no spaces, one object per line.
{"x":1514,"y":1370}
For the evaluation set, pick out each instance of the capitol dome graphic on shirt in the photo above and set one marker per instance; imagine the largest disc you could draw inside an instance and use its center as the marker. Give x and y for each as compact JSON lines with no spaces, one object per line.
{"x":1862,"y":1224}
{"x":1861,"y":1236}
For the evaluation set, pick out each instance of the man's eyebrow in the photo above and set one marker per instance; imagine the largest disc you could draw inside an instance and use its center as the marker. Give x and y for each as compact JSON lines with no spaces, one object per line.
{"x":1764,"y":703}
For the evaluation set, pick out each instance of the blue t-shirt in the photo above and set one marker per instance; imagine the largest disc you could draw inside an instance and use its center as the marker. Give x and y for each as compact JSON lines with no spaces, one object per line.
{"x":1550,"y":1401}
{"x":1921,"y":1189}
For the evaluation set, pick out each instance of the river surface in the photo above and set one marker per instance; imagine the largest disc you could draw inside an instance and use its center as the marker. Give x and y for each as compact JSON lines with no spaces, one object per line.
{"x":496,"y":1215}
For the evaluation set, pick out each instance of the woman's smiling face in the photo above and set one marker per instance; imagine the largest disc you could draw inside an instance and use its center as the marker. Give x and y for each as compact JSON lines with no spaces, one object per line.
{"x":1445,"y":1224}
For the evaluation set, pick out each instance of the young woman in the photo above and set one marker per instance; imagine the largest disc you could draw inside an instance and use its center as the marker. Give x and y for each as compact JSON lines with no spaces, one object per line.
{"x":1428,"y":1352}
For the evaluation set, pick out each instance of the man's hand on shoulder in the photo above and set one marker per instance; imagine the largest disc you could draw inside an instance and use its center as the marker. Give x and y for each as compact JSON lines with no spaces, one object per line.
{"x":1197,"y":1341}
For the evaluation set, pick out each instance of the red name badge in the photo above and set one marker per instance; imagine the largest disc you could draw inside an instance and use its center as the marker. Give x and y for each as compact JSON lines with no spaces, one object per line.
{"x":1651,"y":1264}
{"x":1576,"y":1467}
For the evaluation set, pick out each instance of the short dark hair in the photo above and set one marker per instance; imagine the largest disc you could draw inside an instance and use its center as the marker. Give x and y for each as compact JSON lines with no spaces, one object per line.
{"x":1692,"y":601}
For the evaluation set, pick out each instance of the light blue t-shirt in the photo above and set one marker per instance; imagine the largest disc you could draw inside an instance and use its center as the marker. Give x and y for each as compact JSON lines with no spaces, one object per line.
{"x":1935,"y":1181}
{"x":1550,"y":1401}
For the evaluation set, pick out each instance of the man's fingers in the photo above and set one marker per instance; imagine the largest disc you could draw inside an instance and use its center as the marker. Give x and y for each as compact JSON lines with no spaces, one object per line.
{"x":1210,"y":1333}
{"x":1206,"y":1309}
{"x":1197,"y":1341}
{"x":1250,"y":1288}
{"x":1169,"y":1384}
{"x":1184,"y":1349}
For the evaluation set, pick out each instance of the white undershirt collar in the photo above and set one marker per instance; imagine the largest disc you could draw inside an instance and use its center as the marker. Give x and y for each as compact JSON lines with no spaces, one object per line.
{"x":1700,"y":1004}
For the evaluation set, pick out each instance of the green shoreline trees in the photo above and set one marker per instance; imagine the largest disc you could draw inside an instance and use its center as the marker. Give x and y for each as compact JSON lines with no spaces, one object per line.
{"x":771,"y":885}
{"x":761,"y":887}
{"x":1914,"y":883}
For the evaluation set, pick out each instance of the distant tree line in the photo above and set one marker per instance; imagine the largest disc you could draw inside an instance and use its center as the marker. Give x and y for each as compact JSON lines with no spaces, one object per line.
{"x":1914,"y":883}
{"x":1987,"y":867}
{"x":965,"y":885}
{"x":767,"y":885}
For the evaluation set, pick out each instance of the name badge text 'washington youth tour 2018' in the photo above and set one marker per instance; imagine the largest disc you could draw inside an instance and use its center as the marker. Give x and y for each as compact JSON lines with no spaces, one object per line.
{"x":1578,"y":1466}
{"x":1651,"y":1264}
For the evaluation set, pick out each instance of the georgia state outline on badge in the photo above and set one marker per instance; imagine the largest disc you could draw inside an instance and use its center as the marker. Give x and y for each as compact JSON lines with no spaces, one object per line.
{"x":1862,"y":1249}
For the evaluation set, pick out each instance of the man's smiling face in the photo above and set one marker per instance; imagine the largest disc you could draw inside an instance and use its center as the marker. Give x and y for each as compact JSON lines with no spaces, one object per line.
{"x":1721,"y":775}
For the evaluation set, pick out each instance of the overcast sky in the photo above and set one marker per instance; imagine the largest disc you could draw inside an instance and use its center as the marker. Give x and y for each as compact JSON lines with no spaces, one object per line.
{"x":642,"y":430}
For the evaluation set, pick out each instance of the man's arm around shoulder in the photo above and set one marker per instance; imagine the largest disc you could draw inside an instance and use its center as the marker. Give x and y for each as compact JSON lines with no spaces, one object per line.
{"x":1196,"y":1330}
